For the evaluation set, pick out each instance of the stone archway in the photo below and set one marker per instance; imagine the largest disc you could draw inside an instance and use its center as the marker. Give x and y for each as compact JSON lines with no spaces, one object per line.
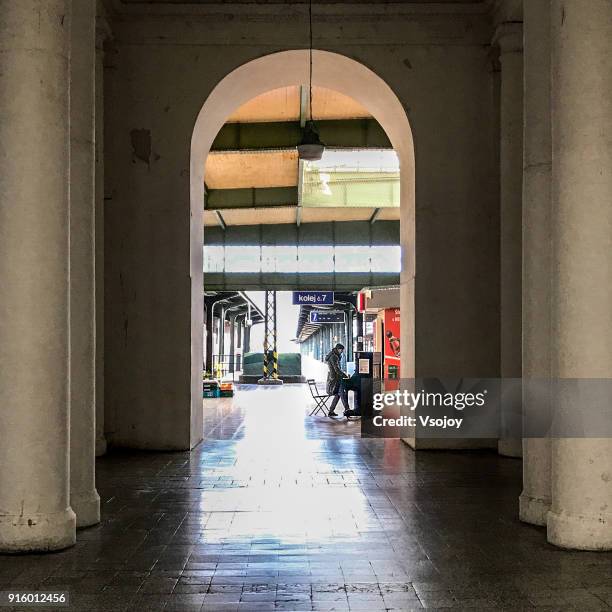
{"x":283,"y":69}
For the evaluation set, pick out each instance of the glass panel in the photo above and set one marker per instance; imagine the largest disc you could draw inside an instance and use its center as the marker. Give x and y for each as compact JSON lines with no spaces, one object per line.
{"x":242,"y":259}
{"x":280,"y":259}
{"x":386,"y":258}
{"x":268,"y":259}
{"x":352,"y":259}
{"x":353,"y":178}
{"x":213,"y":258}
{"x":286,"y":259}
{"x":315,"y":259}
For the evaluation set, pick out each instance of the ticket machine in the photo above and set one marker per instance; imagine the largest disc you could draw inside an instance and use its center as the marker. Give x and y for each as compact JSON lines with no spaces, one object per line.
{"x":368,"y":368}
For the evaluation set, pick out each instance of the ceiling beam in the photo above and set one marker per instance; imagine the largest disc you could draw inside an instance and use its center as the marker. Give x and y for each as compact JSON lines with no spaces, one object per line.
{"x":271,"y":197}
{"x":222,"y":199}
{"x":353,"y":233}
{"x":304,"y":103}
{"x":341,"y":133}
{"x":300,"y":191}
{"x":375,"y":216}
{"x":221,"y":220}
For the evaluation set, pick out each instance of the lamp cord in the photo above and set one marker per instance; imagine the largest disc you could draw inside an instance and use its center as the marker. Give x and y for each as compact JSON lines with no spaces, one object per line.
{"x":310,"y":57}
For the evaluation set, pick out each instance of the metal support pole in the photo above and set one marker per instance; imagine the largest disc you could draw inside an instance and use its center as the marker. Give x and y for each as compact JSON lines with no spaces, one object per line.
{"x":360,"y":330}
{"x":232,"y":353}
{"x":348,"y":322}
{"x":231,"y":361}
{"x":239,"y":342}
{"x":210,"y":338}
{"x":270,"y":366}
{"x":221,"y":341}
{"x":247,"y":340}
{"x":274,"y":345}
{"x":266,"y":345}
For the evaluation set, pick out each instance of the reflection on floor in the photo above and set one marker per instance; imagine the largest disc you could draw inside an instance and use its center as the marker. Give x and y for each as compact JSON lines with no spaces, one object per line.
{"x":280,"y":511}
{"x":276,"y":415}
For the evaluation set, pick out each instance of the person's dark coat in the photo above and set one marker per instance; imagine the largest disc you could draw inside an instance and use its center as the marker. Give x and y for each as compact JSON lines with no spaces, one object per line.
{"x":334,"y":374}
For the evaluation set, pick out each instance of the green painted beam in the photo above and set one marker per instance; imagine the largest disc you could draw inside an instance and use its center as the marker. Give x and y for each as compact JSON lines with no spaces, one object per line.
{"x":352,"y":233}
{"x":215,"y":281}
{"x":376,"y":192}
{"x":221,"y":199}
{"x":342,"y":133}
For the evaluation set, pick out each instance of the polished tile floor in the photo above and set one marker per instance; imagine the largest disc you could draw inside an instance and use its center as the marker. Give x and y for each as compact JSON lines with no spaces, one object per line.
{"x":276,"y":510}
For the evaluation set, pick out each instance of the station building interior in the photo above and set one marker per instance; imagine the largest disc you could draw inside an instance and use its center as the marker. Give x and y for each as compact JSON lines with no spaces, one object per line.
{"x":165,"y":233}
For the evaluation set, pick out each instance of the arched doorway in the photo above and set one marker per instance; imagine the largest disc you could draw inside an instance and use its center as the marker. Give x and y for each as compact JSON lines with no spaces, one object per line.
{"x":332,"y":71}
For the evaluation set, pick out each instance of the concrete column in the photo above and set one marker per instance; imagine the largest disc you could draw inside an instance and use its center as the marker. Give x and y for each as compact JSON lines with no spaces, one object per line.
{"x":35,"y":510}
{"x":581,"y":484}
{"x":534,"y":501}
{"x":102,"y":32}
{"x":509,"y":38}
{"x":83,"y":495}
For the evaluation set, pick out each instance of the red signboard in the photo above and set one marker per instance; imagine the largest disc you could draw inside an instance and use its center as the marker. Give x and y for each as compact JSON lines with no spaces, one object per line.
{"x":391,"y":343}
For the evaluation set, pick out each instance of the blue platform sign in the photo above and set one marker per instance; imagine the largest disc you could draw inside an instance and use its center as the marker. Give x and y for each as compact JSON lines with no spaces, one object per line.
{"x":326,"y":316}
{"x":313,"y":298}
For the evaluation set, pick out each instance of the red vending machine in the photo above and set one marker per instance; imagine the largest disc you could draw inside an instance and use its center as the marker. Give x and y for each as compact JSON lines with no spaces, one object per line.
{"x":391,"y":347}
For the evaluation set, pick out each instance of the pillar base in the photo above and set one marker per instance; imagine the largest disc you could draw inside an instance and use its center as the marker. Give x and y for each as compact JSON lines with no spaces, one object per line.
{"x":418,"y":442}
{"x":270,"y":381}
{"x":579,"y":532}
{"x":510,"y":447}
{"x":86,"y":508}
{"x":100,"y":446}
{"x":22,"y":533}
{"x":533,"y":510}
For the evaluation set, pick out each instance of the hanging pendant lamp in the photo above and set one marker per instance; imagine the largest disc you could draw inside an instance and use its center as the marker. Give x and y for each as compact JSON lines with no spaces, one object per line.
{"x":310,"y":148}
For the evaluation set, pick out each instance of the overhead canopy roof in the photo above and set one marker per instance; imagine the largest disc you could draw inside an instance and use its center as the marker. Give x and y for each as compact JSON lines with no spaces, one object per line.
{"x":237,"y":302}
{"x":253,"y":165}
{"x":252,"y":169}
{"x":287,"y":214}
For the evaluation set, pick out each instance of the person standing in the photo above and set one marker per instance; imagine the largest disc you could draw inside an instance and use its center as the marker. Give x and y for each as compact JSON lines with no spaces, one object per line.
{"x":335,"y":376}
